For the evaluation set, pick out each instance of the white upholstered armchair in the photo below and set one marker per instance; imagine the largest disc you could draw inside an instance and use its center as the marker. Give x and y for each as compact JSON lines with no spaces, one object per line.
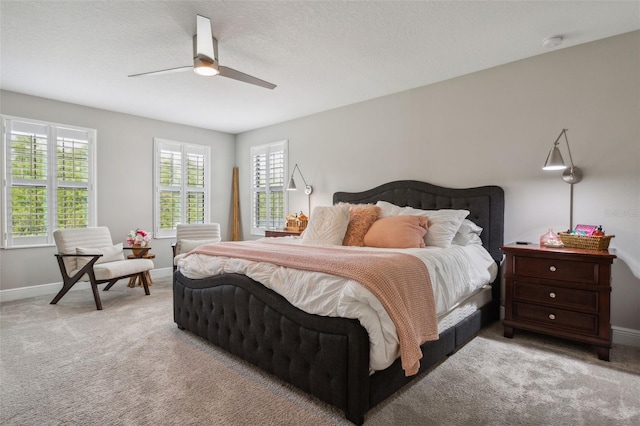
{"x":191,"y":235}
{"x":88,"y":254}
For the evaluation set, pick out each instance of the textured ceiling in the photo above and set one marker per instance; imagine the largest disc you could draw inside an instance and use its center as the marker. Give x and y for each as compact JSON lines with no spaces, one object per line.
{"x":321,"y":54}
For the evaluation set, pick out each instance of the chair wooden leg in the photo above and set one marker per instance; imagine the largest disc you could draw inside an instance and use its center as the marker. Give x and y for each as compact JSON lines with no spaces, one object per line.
{"x":111,"y":283}
{"x":143,"y":278}
{"x":65,"y":288}
{"x":67,"y":281}
{"x":96,"y":295}
{"x":94,"y":289}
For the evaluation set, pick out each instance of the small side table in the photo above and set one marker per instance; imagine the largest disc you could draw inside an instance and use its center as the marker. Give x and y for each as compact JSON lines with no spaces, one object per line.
{"x":147,"y":275}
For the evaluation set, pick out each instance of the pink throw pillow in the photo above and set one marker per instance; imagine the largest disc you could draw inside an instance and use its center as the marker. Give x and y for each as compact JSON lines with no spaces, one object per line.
{"x":361,"y":217}
{"x":397,"y":232}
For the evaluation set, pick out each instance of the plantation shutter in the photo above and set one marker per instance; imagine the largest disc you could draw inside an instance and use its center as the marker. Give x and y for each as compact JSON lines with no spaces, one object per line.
{"x":259,"y":189}
{"x":268,"y":174}
{"x":73,"y":178}
{"x":276,"y":190}
{"x":169,"y":205}
{"x":195,"y":184}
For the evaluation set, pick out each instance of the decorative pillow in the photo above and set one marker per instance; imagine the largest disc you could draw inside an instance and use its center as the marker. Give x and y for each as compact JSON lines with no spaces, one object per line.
{"x":388,"y":209}
{"x":361,"y":217}
{"x":109,"y":254}
{"x":469,"y":233}
{"x":185,"y":246}
{"x":397,"y":232}
{"x":327,"y":225}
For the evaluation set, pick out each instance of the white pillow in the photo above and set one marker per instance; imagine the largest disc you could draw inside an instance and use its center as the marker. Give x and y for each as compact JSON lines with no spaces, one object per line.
{"x":327,"y":225}
{"x":469,"y":233}
{"x":443,"y":223}
{"x":109,"y":254}
{"x":388,"y":209}
{"x":185,"y":246}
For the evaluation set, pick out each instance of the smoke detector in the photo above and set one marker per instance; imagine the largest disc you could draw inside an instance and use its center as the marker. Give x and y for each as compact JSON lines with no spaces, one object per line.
{"x":552,"y":42}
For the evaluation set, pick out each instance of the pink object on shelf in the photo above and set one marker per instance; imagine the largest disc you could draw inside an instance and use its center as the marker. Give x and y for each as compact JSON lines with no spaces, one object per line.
{"x":587,"y":230}
{"x":550,"y":239}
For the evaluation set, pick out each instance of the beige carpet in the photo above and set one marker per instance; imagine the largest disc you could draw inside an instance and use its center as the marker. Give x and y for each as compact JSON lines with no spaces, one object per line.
{"x":69,"y":364}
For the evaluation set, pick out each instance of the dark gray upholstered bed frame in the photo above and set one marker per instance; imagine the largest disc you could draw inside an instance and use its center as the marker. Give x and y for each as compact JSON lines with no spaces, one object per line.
{"x":329,"y":357}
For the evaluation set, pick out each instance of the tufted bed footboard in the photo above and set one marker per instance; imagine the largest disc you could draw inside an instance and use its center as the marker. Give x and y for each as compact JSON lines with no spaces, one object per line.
{"x":325,"y":357}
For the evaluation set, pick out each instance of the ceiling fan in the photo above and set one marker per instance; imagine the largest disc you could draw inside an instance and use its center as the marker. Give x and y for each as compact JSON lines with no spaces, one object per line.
{"x":205,"y":58}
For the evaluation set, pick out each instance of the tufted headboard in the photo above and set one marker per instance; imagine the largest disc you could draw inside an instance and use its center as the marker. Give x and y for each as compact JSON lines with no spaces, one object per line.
{"x":485,"y":204}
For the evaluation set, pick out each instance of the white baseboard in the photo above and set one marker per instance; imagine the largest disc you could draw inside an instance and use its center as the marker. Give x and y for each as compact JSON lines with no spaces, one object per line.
{"x":626,"y":336}
{"x":54,"y":288}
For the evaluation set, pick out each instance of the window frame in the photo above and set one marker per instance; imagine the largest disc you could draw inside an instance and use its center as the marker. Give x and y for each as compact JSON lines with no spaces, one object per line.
{"x":51,"y":182}
{"x":269,"y":148}
{"x":184,"y":148}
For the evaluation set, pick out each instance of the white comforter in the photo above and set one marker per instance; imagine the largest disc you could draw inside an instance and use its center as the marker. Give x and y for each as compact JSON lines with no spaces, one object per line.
{"x":456,"y":273}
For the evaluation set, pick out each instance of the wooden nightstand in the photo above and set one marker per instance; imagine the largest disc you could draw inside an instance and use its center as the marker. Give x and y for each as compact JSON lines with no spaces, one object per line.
{"x":561,"y":292}
{"x":281,"y":233}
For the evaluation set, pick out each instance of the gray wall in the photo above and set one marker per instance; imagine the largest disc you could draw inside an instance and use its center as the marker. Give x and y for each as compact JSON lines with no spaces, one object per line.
{"x":125,"y":179}
{"x":495,"y":127}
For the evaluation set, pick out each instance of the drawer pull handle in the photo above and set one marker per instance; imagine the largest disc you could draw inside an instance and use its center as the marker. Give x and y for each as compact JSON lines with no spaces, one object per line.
{"x":552,"y":268}
{"x":552,"y":317}
{"x":552,"y":295}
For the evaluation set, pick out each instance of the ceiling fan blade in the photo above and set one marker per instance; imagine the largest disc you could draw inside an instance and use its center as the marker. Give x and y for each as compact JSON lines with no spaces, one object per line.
{"x":240,"y":76}
{"x":204,"y":38}
{"x":167,"y":71}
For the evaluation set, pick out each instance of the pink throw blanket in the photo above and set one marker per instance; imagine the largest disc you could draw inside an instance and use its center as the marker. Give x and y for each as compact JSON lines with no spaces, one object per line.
{"x":400,"y":282}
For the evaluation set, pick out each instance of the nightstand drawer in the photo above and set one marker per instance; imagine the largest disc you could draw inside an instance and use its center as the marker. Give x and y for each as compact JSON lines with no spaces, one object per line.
{"x":556,"y":296}
{"x":556,"y":269}
{"x":556,"y":318}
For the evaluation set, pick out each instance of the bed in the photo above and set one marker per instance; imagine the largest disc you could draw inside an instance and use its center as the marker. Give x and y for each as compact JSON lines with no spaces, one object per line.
{"x":328,"y":357}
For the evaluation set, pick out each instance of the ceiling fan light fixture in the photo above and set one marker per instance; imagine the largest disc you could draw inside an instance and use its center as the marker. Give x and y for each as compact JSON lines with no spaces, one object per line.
{"x":205,"y":68}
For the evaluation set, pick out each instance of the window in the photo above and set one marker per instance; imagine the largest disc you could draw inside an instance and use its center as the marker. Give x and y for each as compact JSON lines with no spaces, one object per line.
{"x":49,"y":181}
{"x":182,"y":185}
{"x":268,"y":175}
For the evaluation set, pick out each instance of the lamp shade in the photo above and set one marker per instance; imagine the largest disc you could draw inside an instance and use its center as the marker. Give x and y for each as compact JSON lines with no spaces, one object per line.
{"x":554,"y":160}
{"x":292,"y":185}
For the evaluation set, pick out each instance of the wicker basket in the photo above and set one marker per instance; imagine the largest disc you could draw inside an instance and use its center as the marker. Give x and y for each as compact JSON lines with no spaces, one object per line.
{"x":292,"y":223}
{"x":585,"y":242}
{"x":303,"y":222}
{"x":297,"y":223}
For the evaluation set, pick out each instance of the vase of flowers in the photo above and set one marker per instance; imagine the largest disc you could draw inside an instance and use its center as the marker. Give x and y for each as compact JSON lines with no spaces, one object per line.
{"x":138,"y":239}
